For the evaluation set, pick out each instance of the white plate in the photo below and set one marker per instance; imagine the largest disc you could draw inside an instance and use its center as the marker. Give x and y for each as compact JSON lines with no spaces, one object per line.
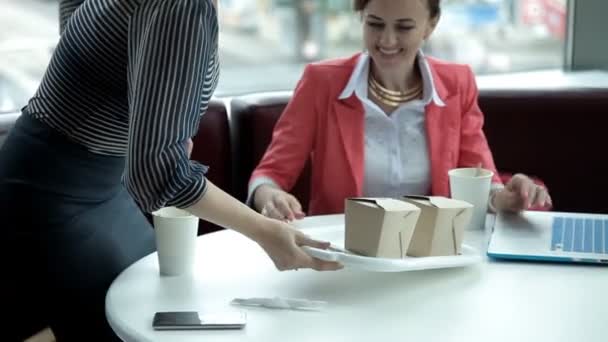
{"x":335,"y":235}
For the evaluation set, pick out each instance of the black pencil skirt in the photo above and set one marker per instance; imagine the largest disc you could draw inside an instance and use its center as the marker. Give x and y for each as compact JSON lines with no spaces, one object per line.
{"x":72,"y":228}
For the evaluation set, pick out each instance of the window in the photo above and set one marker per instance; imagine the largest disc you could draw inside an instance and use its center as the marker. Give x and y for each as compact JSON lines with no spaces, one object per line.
{"x":264,"y":44}
{"x":28,"y":32}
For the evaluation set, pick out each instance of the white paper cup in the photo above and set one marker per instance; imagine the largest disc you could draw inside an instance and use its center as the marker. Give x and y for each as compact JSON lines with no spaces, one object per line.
{"x":472,"y":185}
{"x":176,"y":232}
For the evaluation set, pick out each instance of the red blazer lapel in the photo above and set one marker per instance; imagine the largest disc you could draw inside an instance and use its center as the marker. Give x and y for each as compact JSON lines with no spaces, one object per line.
{"x":442,"y":133}
{"x":350,"y":120}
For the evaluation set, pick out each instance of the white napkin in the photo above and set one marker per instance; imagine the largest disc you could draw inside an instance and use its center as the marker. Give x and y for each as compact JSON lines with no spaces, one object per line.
{"x":282,"y":303}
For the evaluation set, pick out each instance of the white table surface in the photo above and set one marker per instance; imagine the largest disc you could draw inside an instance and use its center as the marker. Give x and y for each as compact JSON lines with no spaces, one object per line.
{"x":491,"y":301}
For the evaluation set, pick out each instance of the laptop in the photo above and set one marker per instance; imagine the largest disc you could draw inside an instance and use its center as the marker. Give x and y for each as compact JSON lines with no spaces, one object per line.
{"x":550,"y":236}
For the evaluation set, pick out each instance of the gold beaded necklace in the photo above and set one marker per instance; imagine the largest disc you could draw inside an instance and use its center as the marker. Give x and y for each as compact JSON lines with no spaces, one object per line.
{"x":389,"y":97}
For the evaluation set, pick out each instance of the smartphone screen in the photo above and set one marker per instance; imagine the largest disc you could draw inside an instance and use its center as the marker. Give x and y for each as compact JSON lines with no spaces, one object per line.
{"x":192,"y":320}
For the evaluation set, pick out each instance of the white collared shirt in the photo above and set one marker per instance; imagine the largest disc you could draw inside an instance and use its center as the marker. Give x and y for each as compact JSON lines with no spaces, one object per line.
{"x":396,"y":149}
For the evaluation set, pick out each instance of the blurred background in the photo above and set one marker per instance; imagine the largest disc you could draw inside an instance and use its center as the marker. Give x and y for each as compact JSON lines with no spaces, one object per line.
{"x":264,"y":44}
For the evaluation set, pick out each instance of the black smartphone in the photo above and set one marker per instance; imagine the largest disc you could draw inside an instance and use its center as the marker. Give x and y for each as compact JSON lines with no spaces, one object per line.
{"x":193,"y":320}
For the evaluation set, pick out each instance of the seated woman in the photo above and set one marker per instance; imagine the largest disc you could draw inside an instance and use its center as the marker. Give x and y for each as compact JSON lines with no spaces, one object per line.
{"x":385,"y":122}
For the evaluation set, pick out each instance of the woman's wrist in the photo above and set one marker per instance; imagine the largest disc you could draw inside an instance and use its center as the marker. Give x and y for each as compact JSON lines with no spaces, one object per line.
{"x":256,"y":197}
{"x":262,"y":226}
{"x":260,"y":196}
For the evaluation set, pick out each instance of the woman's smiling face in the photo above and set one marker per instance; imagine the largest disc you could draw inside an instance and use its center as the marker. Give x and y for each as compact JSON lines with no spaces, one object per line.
{"x":394,"y":31}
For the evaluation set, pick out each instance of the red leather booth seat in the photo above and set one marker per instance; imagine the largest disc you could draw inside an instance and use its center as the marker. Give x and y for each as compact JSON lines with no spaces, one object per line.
{"x":557,"y":135}
{"x":212,"y":147}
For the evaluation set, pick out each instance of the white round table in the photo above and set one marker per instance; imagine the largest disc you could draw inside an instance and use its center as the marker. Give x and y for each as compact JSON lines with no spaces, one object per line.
{"x":491,"y":301}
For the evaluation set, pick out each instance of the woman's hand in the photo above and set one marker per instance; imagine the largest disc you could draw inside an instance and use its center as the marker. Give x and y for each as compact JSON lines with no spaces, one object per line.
{"x":276,"y":203}
{"x":520,"y":193}
{"x":282,"y":244}
{"x":280,"y":240}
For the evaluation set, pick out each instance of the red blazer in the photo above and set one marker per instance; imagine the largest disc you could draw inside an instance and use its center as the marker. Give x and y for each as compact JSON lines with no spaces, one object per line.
{"x":317,"y":124}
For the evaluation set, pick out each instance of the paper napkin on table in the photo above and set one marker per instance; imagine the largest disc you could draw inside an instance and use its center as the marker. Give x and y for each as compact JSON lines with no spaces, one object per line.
{"x":282,"y":303}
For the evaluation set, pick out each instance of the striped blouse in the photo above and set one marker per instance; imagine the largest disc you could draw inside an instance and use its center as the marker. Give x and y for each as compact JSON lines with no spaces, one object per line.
{"x":132,"y":78}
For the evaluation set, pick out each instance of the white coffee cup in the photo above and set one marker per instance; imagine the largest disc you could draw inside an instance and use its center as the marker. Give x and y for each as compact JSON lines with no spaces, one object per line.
{"x":472,"y":185}
{"x":176,"y":232}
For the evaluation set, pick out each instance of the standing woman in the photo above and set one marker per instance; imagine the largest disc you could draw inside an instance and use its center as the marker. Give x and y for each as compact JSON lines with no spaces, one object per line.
{"x":106,"y":136}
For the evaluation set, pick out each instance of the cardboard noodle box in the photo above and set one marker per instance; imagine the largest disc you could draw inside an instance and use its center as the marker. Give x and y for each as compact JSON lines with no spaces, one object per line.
{"x":440,"y":227}
{"x":379,"y":227}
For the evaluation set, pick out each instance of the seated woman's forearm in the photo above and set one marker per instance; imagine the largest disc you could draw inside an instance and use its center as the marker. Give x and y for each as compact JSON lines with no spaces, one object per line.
{"x":218,"y":207}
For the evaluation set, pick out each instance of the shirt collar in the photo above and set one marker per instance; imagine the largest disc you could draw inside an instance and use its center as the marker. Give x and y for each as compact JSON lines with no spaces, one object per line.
{"x":358,"y":80}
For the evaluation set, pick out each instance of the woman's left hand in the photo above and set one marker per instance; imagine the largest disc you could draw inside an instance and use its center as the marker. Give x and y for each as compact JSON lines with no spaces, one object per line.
{"x":520,"y":193}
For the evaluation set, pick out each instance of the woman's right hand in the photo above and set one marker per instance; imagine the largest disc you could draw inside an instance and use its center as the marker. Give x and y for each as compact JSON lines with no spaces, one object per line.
{"x":283,"y":244}
{"x":277,"y":204}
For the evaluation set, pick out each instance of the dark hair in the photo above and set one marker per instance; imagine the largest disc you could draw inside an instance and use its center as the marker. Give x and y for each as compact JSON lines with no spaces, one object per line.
{"x":434,"y":6}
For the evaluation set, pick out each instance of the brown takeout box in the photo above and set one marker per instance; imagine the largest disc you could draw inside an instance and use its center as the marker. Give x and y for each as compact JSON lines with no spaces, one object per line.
{"x":379,"y":227}
{"x":440,"y":227}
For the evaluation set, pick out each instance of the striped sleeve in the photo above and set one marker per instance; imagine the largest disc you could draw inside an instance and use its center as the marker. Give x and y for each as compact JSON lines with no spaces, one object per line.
{"x":66,"y":9}
{"x":171,"y":44}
